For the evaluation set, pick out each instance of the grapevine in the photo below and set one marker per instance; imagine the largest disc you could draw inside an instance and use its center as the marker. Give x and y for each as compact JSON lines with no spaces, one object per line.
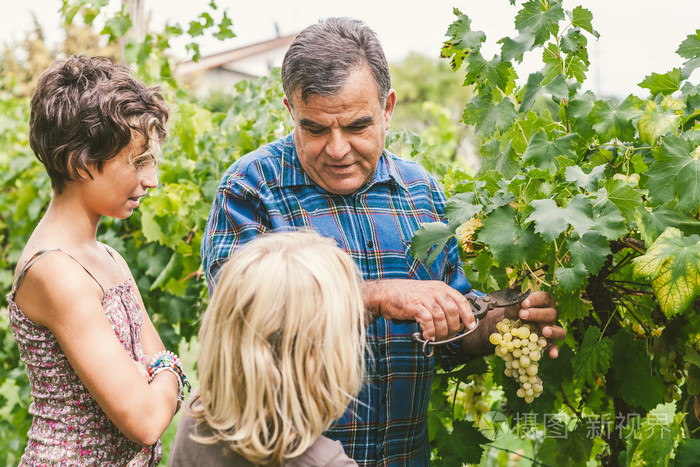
{"x":521,"y":349}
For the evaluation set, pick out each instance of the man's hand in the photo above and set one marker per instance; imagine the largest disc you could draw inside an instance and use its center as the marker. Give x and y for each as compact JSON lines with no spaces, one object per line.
{"x":537,"y":309}
{"x":440,"y":310}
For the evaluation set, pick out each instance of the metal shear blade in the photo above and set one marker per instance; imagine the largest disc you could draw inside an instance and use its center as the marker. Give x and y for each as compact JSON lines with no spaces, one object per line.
{"x":481,"y":305}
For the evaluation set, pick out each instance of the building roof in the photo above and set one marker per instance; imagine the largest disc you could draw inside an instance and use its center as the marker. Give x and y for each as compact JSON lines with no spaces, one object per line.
{"x":228,"y":57}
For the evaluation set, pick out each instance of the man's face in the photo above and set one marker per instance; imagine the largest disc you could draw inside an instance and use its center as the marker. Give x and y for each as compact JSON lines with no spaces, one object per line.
{"x":339,"y":139}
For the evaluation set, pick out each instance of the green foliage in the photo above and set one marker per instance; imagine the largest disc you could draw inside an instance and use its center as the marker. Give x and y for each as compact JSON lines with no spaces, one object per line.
{"x":595,"y":201}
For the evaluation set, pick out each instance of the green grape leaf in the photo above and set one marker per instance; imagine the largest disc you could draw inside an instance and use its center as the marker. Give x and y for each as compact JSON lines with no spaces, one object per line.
{"x":590,"y":250}
{"x":690,"y":47}
{"x":658,"y":432}
{"x":541,"y":21}
{"x":615,"y":122}
{"x":551,"y":220}
{"x":461,"y":35}
{"x":689,"y":67}
{"x":654,"y":124}
{"x":594,"y":356}
{"x":583,"y":18}
{"x":225,"y":31}
{"x":462,"y":41}
{"x":587,"y":181}
{"x":577,"y":68}
{"x":547,"y":218}
{"x":571,"y":306}
{"x":665,"y":84}
{"x":672,"y":263}
{"x":467,"y":441}
{"x":674,"y":175}
{"x":460,"y":208}
{"x":429,"y":235}
{"x":570,"y":448}
{"x":571,"y":278}
{"x":580,"y":107}
{"x":506,"y":240}
{"x":653,"y":223}
{"x":609,"y":222}
{"x":494,"y":71}
{"x":513,"y":49}
{"x":543,"y":153}
{"x":623,"y":196}
{"x":489,"y":118}
{"x":556,"y":87}
{"x":688,"y":453}
{"x":630,"y":376}
{"x":504,"y":162}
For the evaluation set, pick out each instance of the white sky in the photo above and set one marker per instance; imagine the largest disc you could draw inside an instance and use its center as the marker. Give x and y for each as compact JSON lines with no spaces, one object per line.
{"x":638,"y":37}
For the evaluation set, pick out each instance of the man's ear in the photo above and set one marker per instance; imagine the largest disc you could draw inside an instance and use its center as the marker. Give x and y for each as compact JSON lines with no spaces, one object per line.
{"x":289,"y":106}
{"x":389,"y":107}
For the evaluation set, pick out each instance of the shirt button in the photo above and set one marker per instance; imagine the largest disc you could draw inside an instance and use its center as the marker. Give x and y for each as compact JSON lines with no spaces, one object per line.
{"x":370,"y":244}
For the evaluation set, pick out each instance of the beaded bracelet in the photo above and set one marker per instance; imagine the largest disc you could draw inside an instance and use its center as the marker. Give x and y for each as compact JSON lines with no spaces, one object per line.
{"x":168,"y":361}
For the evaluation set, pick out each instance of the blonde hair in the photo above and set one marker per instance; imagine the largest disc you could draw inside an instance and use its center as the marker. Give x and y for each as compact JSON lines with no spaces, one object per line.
{"x":282,"y":346}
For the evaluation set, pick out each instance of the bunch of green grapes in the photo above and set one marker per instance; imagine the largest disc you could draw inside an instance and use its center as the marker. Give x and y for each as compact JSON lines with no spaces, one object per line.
{"x":474,"y":397}
{"x":521,"y":349}
{"x":670,"y":369}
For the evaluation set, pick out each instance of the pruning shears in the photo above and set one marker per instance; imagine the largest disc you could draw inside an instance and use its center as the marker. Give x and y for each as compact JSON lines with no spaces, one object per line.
{"x":481,"y":305}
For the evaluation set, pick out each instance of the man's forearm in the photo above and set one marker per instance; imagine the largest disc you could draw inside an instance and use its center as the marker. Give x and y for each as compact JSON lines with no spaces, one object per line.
{"x":372,"y":293}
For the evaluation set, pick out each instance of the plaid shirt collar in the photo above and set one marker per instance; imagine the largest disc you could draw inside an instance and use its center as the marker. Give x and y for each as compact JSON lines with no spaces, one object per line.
{"x":293,"y":174}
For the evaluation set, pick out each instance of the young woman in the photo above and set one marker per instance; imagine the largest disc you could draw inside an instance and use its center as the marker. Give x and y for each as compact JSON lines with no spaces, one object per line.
{"x":75,"y":310}
{"x":282,"y":354}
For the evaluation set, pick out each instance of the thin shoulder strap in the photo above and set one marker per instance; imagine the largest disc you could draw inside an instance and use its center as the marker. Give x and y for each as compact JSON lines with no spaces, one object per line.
{"x":38,"y":255}
{"x":109,"y":250}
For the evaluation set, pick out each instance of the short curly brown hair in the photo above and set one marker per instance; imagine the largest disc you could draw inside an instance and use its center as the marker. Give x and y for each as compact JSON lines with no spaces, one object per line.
{"x":85,"y":110}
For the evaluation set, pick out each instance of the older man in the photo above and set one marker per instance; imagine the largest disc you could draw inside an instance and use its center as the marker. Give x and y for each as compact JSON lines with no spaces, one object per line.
{"x":333,"y":175}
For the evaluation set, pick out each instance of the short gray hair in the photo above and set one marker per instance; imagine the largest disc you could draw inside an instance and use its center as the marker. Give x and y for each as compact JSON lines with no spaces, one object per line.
{"x":322,"y":55}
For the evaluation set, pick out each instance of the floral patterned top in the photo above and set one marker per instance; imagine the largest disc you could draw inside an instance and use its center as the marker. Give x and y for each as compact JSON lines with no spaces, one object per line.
{"x":69,"y":427}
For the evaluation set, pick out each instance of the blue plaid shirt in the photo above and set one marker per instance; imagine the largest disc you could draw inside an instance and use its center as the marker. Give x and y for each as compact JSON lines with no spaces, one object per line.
{"x":268,"y":190}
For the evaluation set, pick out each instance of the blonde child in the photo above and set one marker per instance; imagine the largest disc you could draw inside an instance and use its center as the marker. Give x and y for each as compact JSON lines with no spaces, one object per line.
{"x":75,"y":310}
{"x":282,"y":355}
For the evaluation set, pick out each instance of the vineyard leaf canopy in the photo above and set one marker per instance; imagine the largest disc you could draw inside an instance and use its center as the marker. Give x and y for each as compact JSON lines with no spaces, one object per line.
{"x":674,"y":178}
{"x":673,"y":265}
